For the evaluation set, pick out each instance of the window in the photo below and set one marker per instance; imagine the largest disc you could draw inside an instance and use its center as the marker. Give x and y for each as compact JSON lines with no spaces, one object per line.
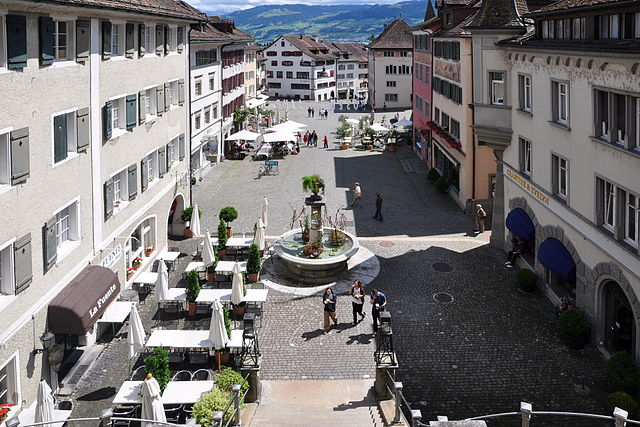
{"x":150,"y":102}
{"x":436,"y":115}
{"x":170,"y":39}
{"x":578,"y":30}
{"x":637,"y":25}
{"x":350,"y":67}
{"x":525,"y":156}
{"x":116,"y":40}
{"x":149,"y":47}
{"x":612,"y":113}
{"x":560,"y":99}
{"x":340,"y":76}
{"x":609,"y":27}
{"x":197,"y":121}
{"x":289,"y":74}
{"x":67,"y":228}
{"x":341,"y":67}
{"x":281,"y":44}
{"x":118,"y":115}
{"x":388,"y":53}
{"x":214,"y":110}
{"x":278,"y":74}
{"x":302,"y":75}
{"x":560,"y":176}
{"x":445,"y":122}
{"x":62,"y":226}
{"x":9,"y":390}
{"x":631,"y":221}
{"x":205,"y":57}
{"x":496,"y":88}
{"x":455,"y":129}
{"x":274,"y":63}
{"x":447,"y":50}
{"x":272,"y":53}
{"x":391,"y":83}
{"x":404,"y":54}
{"x":172,"y":152}
{"x":212,"y":82}
{"x":207,"y":115}
{"x":524,"y":83}
{"x":64,"y":136}
{"x":618,"y":211}
{"x":419,"y":104}
{"x":173,"y":92}
{"x":606,"y":204}
{"x":198,"y":87}
{"x":391,"y":97}
{"x":62,"y":40}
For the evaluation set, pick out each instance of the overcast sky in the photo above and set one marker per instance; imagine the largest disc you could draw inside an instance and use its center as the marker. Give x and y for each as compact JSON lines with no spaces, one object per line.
{"x":231,"y":5}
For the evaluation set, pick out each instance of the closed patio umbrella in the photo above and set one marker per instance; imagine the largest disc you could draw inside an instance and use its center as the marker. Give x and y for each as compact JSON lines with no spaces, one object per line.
{"x":237,"y":288}
{"x":264,"y":212}
{"x":403,"y":123}
{"x":378,"y":127}
{"x":207,"y":253}
{"x":135,"y":334}
{"x":152,"y":408}
{"x":260,"y":237}
{"x":44,"y":404}
{"x":195,"y":221}
{"x":162,"y":282}
{"x":217,"y":329}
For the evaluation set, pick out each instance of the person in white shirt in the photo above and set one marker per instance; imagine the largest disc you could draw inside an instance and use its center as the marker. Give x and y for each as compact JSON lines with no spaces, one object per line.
{"x":357,"y":299}
{"x":357,"y":193}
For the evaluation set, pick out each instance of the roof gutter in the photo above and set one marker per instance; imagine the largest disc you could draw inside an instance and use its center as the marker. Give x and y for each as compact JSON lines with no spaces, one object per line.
{"x":582,"y":9}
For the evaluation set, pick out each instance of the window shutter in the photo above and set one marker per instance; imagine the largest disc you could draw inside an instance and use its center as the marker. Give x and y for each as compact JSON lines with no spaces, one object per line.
{"x":46,"y":40}
{"x":554,"y":101}
{"x":167,"y":96}
{"x":22,"y":263}
{"x":49,"y":244}
{"x":457,"y":51}
{"x":180,"y":35}
{"x":162,"y":161}
{"x":160,"y":99}
{"x":181,"y":147}
{"x":159,"y":39}
{"x":167,"y":41}
{"x":554,"y":174}
{"x":141,"y":33}
{"x":181,"y":91}
{"x":19,"y":156}
{"x":144,"y":173}
{"x":142,"y":115}
{"x":129,"y":45}
{"x":108,"y":199}
{"x":521,"y":92}
{"x":106,"y":120}
{"x":83,"y":37}
{"x":84,"y":135}
{"x":60,"y":137}
{"x":106,"y":40}
{"x":131,"y":112}
{"x":133,"y":181}
{"x":16,"y":41}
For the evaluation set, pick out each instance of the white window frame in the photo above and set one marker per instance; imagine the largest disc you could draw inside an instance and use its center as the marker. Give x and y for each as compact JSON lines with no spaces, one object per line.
{"x":172,"y":152}
{"x":635,"y":208}
{"x":172,"y":35}
{"x":72,"y":241}
{"x":609,"y":205}
{"x":70,"y":43}
{"x":12,"y":367}
{"x":3,"y":41}
{"x":562,"y":99}
{"x":494,"y":85}
{"x":525,"y":145}
{"x":562,"y":177}
{"x":214,"y":111}
{"x":207,"y":115}
{"x":525,"y":86}
{"x":212,"y":82}
{"x":120,"y":179}
{"x":7,"y":268}
{"x":197,"y":121}
{"x":72,"y":136}
{"x":197,"y":86}
{"x":150,"y":100}
{"x":117,"y":36}
{"x":149,"y":42}
{"x":5,"y":158}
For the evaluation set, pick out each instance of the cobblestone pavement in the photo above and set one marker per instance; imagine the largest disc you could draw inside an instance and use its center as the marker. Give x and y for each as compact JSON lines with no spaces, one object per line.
{"x":484,"y":352}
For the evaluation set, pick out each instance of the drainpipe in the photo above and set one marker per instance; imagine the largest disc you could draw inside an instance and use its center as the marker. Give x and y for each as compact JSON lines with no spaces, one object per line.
{"x":473,"y":138}
{"x":188,"y":40}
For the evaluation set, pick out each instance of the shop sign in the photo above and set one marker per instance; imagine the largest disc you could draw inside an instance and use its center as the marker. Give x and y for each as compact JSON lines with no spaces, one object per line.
{"x":113,"y":257}
{"x":102,"y":300}
{"x":528,"y":187}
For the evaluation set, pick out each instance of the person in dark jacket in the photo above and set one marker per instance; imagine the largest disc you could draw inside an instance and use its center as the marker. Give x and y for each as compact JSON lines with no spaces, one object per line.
{"x":357,"y":299}
{"x":378,"y":214}
{"x":329,"y":300}
{"x":378,"y":304}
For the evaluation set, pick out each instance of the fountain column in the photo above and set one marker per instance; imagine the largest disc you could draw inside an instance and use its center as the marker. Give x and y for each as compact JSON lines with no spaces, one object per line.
{"x":315,"y":229}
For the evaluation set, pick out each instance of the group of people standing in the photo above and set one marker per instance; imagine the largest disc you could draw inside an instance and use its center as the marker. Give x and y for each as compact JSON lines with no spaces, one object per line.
{"x":311,"y":139}
{"x":323,"y":113}
{"x":377,"y":299}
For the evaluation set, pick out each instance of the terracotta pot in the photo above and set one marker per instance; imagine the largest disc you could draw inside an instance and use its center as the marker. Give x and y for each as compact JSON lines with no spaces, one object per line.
{"x":188,"y":233}
{"x":253,"y":278}
{"x":369,"y":147}
{"x":344,"y":146}
{"x":224,"y":357}
{"x":211,"y":276}
{"x":229,"y":232}
{"x":572,"y":341}
{"x":191,"y":309}
{"x":239,"y":310}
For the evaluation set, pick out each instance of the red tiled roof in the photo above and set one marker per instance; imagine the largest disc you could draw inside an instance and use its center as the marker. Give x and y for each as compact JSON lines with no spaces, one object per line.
{"x":570,"y":4}
{"x":310,"y":45}
{"x":498,"y":14}
{"x":457,"y":31}
{"x":169,"y":8}
{"x":393,"y":37}
{"x":217,"y":29}
{"x":356,"y":51}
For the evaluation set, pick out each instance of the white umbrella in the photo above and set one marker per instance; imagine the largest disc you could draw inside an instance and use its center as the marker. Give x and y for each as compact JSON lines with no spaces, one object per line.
{"x":353,"y":121}
{"x":279,"y":136}
{"x":237,"y":288}
{"x":260,"y":237}
{"x":378,"y":127}
{"x":152,"y":408}
{"x":403,"y":123}
{"x":289,"y":125}
{"x":44,"y":404}
{"x":195,"y":221}
{"x":217,"y":329}
{"x":135,"y":335}
{"x":243,"y":135}
{"x":263,"y":214}
{"x":207,"y":254}
{"x":162,"y":282}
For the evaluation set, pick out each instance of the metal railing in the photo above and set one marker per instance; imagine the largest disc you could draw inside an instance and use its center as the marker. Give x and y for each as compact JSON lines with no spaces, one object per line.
{"x":237,"y":397}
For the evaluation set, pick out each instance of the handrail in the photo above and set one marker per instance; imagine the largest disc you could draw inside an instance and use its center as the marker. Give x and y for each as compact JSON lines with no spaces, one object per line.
{"x":233,"y":398}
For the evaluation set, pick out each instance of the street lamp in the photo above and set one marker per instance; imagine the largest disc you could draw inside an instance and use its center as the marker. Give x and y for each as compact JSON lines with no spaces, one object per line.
{"x":384,"y":354}
{"x":250,"y":354}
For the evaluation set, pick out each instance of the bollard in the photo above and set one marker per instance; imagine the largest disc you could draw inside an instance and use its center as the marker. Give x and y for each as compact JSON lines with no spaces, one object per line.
{"x":416,"y":416}
{"x":217,"y":419}
{"x":621,"y":417}
{"x":236,"y":403}
{"x":397,"y":387}
{"x":526,"y":410}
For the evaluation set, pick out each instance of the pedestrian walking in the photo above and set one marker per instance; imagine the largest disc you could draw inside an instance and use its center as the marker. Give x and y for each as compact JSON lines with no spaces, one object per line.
{"x":306,"y":138}
{"x":357,"y":299}
{"x":308,"y":112}
{"x":329,"y":300}
{"x":357,"y":193}
{"x":378,"y":304}
{"x":315,"y":139}
{"x":313,"y":112}
{"x":480,"y":217}
{"x":325,"y":141}
{"x":378,"y":214}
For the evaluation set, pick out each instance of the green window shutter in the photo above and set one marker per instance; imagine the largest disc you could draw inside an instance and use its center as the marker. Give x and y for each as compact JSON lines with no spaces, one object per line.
{"x":108,"y":199}
{"x":131,"y":112}
{"x":83,"y":38}
{"x":60,"y":138}
{"x":159,"y":39}
{"x":167,"y":96}
{"x":162,"y":161}
{"x":141,"y":30}
{"x":167,"y":41}
{"x":22,"y":263}
{"x":49,"y":244}
{"x":106,"y":120}
{"x":142,"y":116}
{"x":180,"y":35}
{"x":46,"y":40}
{"x":106,"y":39}
{"x":133,"y":181}
{"x":130,"y":31}
{"x":457,"y":51}
{"x":144,"y":174}
{"x":160,"y":107}
{"x":83,"y":128}
{"x":181,"y":147}
{"x":16,"y":41}
{"x":181,"y":92}
{"x":19,"y":156}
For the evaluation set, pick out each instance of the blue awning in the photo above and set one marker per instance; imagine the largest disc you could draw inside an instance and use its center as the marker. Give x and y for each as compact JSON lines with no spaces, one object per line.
{"x":519,"y":223}
{"x":554,"y":256}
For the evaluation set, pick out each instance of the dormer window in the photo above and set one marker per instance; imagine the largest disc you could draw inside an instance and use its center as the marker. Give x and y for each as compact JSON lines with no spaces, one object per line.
{"x":578,"y":28}
{"x":609,"y":26}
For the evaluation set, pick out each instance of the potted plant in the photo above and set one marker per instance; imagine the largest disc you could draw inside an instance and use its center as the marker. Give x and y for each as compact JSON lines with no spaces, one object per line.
{"x":574,"y":328}
{"x":148,"y":250}
{"x":209,"y":403}
{"x":130,"y":272}
{"x":442,"y":185}
{"x":313,"y":249}
{"x":222,"y":238}
{"x":226,"y":378}
{"x":211,"y":270}
{"x":228,"y":214}
{"x":136,"y":263}
{"x":622,"y":400}
{"x":186,"y":217}
{"x":254,"y":263}
{"x":526,"y":279}
{"x":192,"y":291}
{"x":369,"y":133}
{"x":313,"y":184}
{"x":623,"y":371}
{"x":5,"y":408}
{"x":158,"y":365}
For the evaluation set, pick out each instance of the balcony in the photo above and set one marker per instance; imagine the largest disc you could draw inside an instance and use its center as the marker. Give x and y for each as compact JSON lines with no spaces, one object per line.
{"x":492,"y":125}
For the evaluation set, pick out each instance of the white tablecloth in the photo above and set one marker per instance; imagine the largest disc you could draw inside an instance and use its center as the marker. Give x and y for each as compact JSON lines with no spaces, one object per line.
{"x":129,"y":393}
{"x":146,"y":278}
{"x":256,"y":295}
{"x":169,"y":256}
{"x":179,"y":392}
{"x":176,"y":294}
{"x":117,"y":312}
{"x":239,"y":242}
{"x":210,"y":295}
{"x":195,"y":265}
{"x":227,"y":266}
{"x":189,"y":339}
{"x":28,"y":415}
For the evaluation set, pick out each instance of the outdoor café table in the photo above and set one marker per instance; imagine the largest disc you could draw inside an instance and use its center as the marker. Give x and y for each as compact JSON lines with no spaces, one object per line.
{"x":195,"y":265}
{"x":226,"y":267}
{"x":117,"y":312}
{"x":214,"y":241}
{"x":181,"y":392}
{"x":28,"y":415}
{"x":129,"y":393}
{"x":240,"y":242}
{"x":188,"y":339}
{"x":256,"y":295}
{"x":170,"y":258}
{"x":176,"y":294}
{"x":210,"y":295}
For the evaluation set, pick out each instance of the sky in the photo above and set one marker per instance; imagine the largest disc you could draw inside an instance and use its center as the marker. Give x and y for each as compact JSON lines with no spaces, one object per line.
{"x":232,"y":5}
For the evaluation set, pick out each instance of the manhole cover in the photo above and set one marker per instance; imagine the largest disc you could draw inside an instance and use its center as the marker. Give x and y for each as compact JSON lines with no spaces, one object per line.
{"x":386,"y":244}
{"x":443,"y":298}
{"x":442,"y":266}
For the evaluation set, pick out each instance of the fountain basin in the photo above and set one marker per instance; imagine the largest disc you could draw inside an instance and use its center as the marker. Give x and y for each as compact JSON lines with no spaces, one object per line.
{"x":332,"y":260}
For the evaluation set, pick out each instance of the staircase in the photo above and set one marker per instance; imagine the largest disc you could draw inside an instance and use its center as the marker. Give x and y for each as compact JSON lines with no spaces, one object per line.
{"x":318,"y":403}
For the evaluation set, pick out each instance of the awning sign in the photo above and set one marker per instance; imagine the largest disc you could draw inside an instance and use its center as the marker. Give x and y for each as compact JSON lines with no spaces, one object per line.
{"x":102,"y":300}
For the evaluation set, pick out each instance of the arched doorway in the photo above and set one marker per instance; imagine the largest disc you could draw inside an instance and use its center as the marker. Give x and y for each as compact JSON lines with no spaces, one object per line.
{"x":520,"y":224}
{"x":560,"y":268}
{"x":619,"y":324}
{"x":175,"y":225}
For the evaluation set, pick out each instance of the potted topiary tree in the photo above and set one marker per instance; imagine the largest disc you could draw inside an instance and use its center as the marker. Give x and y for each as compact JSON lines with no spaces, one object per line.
{"x":211,"y":270}
{"x":369,"y":133}
{"x":574,"y":328}
{"x":526,"y":279}
{"x":623,"y":371}
{"x":254,"y":263}
{"x":622,"y":400}
{"x":228,"y":214}
{"x":442,"y":185}
{"x":186,"y":217}
{"x":222,"y":238}
{"x":158,"y":365}
{"x":313,"y":184}
{"x":192,"y":291}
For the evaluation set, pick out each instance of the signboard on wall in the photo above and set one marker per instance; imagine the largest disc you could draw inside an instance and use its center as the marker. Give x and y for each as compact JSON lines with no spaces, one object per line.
{"x":113,"y":257}
{"x":448,"y":70}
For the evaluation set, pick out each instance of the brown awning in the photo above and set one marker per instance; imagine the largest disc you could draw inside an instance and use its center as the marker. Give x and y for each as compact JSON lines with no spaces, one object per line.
{"x":79,"y":306}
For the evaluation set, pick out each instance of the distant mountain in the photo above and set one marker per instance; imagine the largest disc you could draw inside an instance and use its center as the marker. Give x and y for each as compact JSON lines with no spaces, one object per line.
{"x":334,"y":22}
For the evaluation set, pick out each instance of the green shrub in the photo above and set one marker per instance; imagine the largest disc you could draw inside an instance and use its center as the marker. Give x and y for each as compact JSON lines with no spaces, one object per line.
{"x":227,"y":377}
{"x":622,"y":370}
{"x":253,"y":260}
{"x":442,"y":185}
{"x":193,"y":286}
{"x":227,"y":320}
{"x":188,"y":211}
{"x":313,"y":184}
{"x":573,"y":322}
{"x":158,"y":365}
{"x":228,"y":214}
{"x":210,"y":403}
{"x":622,"y":400}
{"x":222,"y":235}
{"x":526,"y":278}
{"x":433,"y":175}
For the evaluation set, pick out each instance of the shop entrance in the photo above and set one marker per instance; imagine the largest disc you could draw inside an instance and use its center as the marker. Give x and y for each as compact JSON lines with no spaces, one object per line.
{"x":619,"y":325}
{"x":175,"y":225}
